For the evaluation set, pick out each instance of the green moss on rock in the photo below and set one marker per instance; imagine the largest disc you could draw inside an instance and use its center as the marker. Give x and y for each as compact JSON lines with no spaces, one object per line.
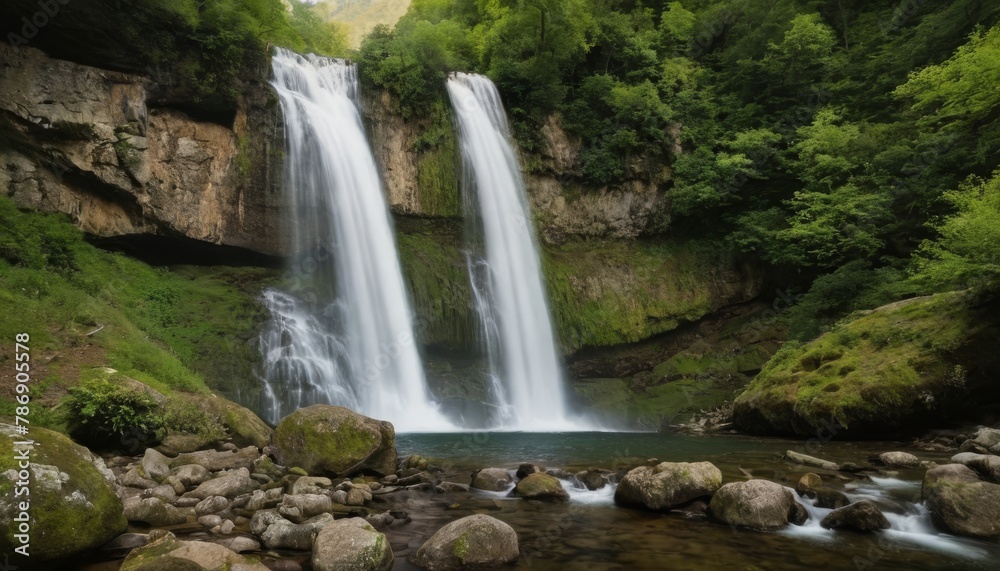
{"x":73,"y":506}
{"x":335,"y":441}
{"x":889,"y":370}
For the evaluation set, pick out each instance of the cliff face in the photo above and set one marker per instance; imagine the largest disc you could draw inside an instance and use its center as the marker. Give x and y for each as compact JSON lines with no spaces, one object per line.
{"x":87,"y":142}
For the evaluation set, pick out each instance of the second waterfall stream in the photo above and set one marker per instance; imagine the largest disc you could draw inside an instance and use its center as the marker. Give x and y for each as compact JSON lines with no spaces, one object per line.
{"x":504,"y":264}
{"x":344,"y":335}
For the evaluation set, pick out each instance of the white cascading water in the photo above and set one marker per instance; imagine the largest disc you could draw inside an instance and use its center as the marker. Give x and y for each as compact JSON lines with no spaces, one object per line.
{"x":351,"y":343}
{"x":507,"y":278}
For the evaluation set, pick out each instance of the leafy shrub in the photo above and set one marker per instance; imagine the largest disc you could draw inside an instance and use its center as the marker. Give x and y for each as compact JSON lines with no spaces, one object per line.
{"x":104,"y":414}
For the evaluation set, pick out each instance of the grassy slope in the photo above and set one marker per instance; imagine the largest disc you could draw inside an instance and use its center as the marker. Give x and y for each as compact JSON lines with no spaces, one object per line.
{"x":178,"y":330}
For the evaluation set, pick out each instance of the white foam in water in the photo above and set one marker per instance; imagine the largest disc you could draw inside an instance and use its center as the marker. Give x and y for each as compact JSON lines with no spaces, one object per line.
{"x":359,"y":351}
{"x":507,"y":276}
{"x":913,"y":528}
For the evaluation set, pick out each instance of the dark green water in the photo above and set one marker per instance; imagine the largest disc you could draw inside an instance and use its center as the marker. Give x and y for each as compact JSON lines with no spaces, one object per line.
{"x":590,"y":532}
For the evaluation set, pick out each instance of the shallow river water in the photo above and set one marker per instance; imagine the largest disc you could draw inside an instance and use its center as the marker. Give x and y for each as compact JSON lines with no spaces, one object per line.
{"x":590,"y":532}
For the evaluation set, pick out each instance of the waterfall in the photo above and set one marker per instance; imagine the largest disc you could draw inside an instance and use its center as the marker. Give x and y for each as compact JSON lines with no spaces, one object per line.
{"x":343,"y":332}
{"x":504,"y":266}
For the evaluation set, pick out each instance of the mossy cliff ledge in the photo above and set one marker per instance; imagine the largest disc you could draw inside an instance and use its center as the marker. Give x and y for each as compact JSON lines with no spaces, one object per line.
{"x":886,"y":372}
{"x":97,"y":145}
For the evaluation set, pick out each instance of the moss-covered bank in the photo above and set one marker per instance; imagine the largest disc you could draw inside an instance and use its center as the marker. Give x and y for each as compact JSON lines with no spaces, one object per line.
{"x":897,"y":369}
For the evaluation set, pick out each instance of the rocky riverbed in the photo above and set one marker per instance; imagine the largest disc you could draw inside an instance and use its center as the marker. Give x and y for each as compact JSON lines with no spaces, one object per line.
{"x":357,"y":506}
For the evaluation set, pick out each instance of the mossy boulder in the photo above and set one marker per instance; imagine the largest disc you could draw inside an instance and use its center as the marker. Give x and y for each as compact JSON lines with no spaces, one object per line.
{"x":757,"y":504}
{"x":961,"y":503}
{"x":539,"y":486}
{"x":73,"y":503}
{"x":351,"y":545}
{"x":863,"y":516}
{"x":197,"y":421}
{"x":887,"y":372}
{"x":334,"y":441}
{"x":473,"y":542}
{"x":668,"y":484}
{"x":165,"y":552}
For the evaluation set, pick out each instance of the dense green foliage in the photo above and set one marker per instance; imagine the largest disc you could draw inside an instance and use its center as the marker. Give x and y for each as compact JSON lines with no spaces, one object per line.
{"x":172,"y":330}
{"x":102,"y":412}
{"x":824,"y":138}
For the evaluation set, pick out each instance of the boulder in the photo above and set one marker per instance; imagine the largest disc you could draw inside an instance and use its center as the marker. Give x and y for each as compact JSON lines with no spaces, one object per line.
{"x":961,"y":503}
{"x":351,"y":545}
{"x":190,"y":474}
{"x":668,"y":484}
{"x":165,"y":551}
{"x":263,"y":519}
{"x":492,"y":479}
{"x":591,"y":479}
{"x":74,"y":506}
{"x":527,"y":468}
{"x":298,"y":508}
{"x":211,"y":505}
{"x":215,"y":460}
{"x":473,"y":542}
{"x":757,"y":504}
{"x":228,"y":485}
{"x":310,"y":485}
{"x":987,"y":466}
{"x":153,"y":512}
{"x":808,"y":483}
{"x":239,"y":543}
{"x":540,"y":486}
{"x":862,"y":515}
{"x":284,"y":534}
{"x":155,"y":466}
{"x":897,"y":460}
{"x":988,"y":438}
{"x":335,"y":441}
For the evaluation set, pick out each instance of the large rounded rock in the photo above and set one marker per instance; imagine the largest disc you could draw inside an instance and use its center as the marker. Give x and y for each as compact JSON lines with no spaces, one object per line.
{"x":475,"y":542}
{"x":757,"y":504}
{"x":668,"y":484}
{"x":334,"y":441}
{"x":986,"y":465}
{"x":228,"y":485}
{"x":961,"y":503}
{"x":73,"y":505}
{"x":492,"y":479}
{"x":898,"y":460}
{"x":351,"y":545}
{"x":153,"y":512}
{"x":540,"y":486}
{"x":166,"y":552}
{"x":862,"y":515}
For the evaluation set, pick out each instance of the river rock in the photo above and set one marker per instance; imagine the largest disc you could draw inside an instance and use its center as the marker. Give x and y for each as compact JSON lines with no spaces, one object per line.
{"x":74,"y":505}
{"x":351,"y":545}
{"x":166,"y":552}
{"x":298,"y":508}
{"x":134,"y":479}
{"x":862,"y":515}
{"x":211,"y":505}
{"x":807,"y":460}
{"x":164,"y":493}
{"x":310,"y":485}
{"x":898,"y":460}
{"x":492,"y":479}
{"x":591,"y":479}
{"x":210,"y":521}
{"x":961,"y":503}
{"x":525,"y":469}
{"x":335,"y":441}
{"x":757,"y":504}
{"x":540,"y":486}
{"x":156,"y":466}
{"x":284,"y":534}
{"x":239,"y":543}
{"x":153,"y":512}
{"x":215,"y":461}
{"x":191,"y":474}
{"x":668,"y":484}
{"x":809,"y":482}
{"x":263,"y":519}
{"x":473,"y":542}
{"x":988,"y":438}
{"x":987,"y":466}
{"x":228,"y":485}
